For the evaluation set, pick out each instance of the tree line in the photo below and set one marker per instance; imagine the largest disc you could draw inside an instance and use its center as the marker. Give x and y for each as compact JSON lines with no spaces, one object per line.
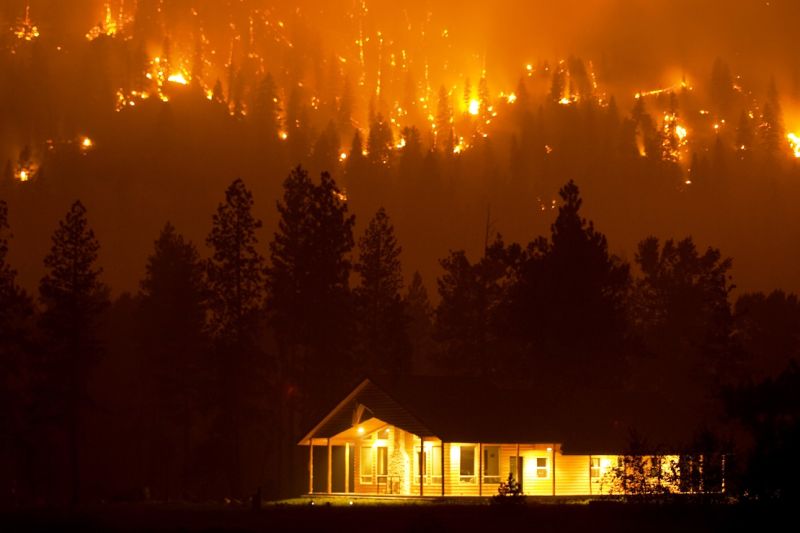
{"x":197,"y":386}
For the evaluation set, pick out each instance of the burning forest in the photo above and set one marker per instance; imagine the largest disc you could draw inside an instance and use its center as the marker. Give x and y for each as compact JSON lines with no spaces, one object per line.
{"x":504,"y":190}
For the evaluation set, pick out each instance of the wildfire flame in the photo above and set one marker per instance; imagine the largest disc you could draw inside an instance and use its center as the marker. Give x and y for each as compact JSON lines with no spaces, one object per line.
{"x":794,"y":143}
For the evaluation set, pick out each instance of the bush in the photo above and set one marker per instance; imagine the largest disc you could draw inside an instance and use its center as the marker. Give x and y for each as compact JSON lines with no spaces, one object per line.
{"x":509,"y":491}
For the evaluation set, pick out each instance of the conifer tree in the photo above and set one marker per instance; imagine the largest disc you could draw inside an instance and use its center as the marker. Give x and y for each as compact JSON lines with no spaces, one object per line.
{"x":15,"y":311}
{"x":419,"y":312}
{"x":380,"y":308}
{"x":445,"y":140}
{"x":235,"y":274}
{"x":73,"y":298}
{"x":309,"y":297}
{"x":266,"y":109}
{"x":171,"y":332}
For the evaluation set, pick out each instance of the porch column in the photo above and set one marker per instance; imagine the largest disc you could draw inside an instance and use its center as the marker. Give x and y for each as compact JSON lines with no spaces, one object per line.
{"x":311,"y":465}
{"x":480,"y":469}
{"x":590,"y":475}
{"x":553,"y":466}
{"x":347,"y":467}
{"x":421,"y":463}
{"x":444,"y":473}
{"x":518,"y":466}
{"x":330,"y":467}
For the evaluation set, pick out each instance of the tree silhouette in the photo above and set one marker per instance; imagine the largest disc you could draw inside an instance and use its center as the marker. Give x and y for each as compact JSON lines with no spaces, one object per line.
{"x":681,"y":313}
{"x":569,"y":301}
{"x":420,"y":315}
{"x":379,"y":142}
{"x":235,"y":275}
{"x":308,"y":277}
{"x":172,"y":337}
{"x":72,"y":297}
{"x":16,"y":309}
{"x":380,"y":307}
{"x":467,"y":316}
{"x":266,"y":109}
{"x":445,"y":137}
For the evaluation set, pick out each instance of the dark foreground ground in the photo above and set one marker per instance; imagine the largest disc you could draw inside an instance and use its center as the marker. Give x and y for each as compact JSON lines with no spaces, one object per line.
{"x":563,"y":518}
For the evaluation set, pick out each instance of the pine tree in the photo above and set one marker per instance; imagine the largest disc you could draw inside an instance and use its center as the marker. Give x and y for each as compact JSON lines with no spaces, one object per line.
{"x":570,"y":297}
{"x":266,"y":109}
{"x":419,"y":313}
{"x":771,"y":130}
{"x":15,"y":304}
{"x":380,"y":307}
{"x":472,"y":294}
{"x":325,"y":156}
{"x":171,"y":332}
{"x":235,"y":276}
{"x":236,"y":268}
{"x":308,"y":281}
{"x":73,"y":298}
{"x":379,"y":142}
{"x":15,"y":312}
{"x":445,"y":140}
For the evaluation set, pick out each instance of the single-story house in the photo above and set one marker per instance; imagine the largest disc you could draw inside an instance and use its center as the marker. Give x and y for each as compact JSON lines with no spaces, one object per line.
{"x":437,"y":436}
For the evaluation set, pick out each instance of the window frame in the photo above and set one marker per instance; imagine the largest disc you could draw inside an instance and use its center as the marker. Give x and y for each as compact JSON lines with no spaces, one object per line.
{"x":542,"y":469}
{"x":469,"y":479}
{"x":495,"y":477}
{"x":367,"y":479}
{"x":595,"y":467}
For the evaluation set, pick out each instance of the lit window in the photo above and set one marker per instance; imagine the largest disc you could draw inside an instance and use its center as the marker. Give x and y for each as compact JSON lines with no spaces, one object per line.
{"x":595,"y":467}
{"x":367,"y":463}
{"x":491,"y":464}
{"x":467,"y":470}
{"x":383,"y":463}
{"x":431,"y":465}
{"x":541,"y":467}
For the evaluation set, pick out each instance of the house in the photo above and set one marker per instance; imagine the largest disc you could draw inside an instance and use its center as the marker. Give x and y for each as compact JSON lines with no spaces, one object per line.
{"x":431,"y":436}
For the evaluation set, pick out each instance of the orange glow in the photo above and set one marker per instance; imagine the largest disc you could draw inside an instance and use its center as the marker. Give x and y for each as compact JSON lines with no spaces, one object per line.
{"x":86,"y":143}
{"x":25,"y":29}
{"x":474,"y":107}
{"x":794,"y":143}
{"x":178,"y":78}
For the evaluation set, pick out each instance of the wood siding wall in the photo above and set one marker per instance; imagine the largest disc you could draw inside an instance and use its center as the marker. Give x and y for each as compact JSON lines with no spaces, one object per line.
{"x":560,"y":475}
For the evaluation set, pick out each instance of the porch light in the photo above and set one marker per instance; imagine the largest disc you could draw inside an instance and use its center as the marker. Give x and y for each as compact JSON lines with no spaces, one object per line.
{"x":360,"y":430}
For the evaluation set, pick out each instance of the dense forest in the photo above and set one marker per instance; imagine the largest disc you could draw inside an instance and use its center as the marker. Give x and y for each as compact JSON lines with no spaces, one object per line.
{"x":208,"y":235}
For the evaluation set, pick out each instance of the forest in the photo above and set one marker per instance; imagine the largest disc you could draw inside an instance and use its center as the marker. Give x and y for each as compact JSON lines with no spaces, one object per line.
{"x":214,"y":221}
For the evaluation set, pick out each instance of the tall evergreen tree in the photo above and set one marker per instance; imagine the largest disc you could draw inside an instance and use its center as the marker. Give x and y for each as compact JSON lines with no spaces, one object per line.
{"x":380,"y":307}
{"x":569,"y":301}
{"x":468,"y":317}
{"x":379,"y":142}
{"x":171,"y":333}
{"x":15,"y":311}
{"x":445,"y":137}
{"x":420,"y":313}
{"x":73,"y":298}
{"x":235,"y":276}
{"x":308,"y":280}
{"x":266,"y":109}
{"x":309,"y":300}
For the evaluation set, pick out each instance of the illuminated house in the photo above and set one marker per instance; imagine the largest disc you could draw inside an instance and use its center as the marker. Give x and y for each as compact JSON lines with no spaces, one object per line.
{"x":471,"y":436}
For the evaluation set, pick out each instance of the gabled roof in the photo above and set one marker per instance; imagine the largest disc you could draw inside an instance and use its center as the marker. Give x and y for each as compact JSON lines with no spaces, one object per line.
{"x":449,"y":408}
{"x":466,"y":409}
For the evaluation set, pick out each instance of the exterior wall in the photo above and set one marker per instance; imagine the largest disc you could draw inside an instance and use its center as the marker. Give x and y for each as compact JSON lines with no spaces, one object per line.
{"x":572,"y":475}
{"x":545,"y":472}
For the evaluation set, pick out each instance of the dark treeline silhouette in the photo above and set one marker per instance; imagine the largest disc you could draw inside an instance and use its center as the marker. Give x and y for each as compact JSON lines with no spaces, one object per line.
{"x":197,"y":386}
